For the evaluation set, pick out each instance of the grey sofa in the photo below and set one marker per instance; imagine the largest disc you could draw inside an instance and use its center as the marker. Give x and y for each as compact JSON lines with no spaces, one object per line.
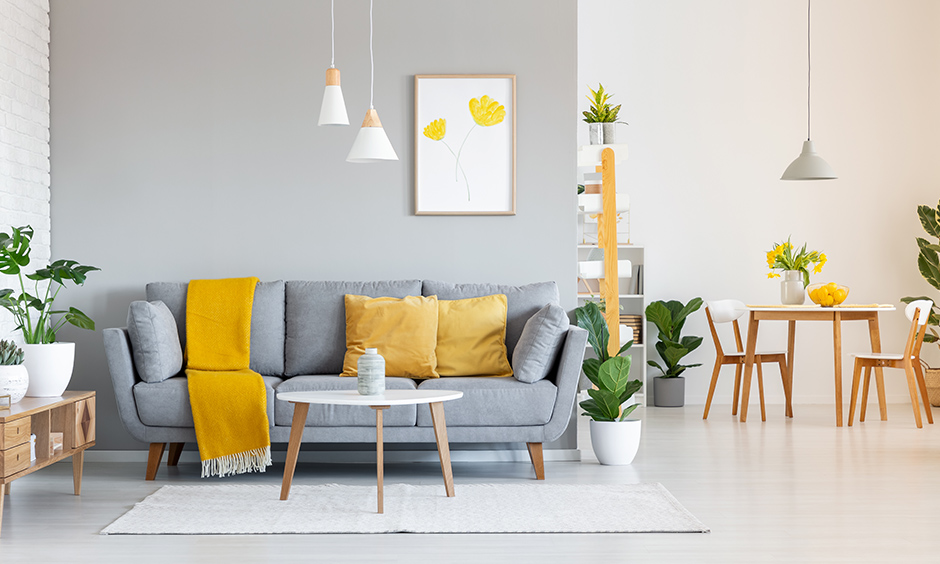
{"x":298,"y":344}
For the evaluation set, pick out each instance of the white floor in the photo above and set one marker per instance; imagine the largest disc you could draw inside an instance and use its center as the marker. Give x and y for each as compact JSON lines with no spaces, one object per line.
{"x":780,"y":491}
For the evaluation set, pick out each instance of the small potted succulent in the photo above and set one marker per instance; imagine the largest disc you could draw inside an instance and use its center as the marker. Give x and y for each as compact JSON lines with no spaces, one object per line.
{"x":615,"y":438}
{"x":14,"y":378}
{"x":669,"y":318}
{"x":601,"y":117}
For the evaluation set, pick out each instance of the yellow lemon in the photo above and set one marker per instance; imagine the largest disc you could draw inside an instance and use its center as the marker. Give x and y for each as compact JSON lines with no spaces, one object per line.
{"x":839,"y":295}
{"x":831,"y":286}
{"x":829,"y":301}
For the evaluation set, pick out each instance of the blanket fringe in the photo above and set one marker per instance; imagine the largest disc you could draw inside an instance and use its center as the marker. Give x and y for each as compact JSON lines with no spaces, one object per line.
{"x":254,"y":460}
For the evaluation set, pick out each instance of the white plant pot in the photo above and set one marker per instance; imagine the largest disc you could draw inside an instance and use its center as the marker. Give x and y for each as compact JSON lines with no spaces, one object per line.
{"x":615,"y":442}
{"x":50,"y":368}
{"x":14,"y":379}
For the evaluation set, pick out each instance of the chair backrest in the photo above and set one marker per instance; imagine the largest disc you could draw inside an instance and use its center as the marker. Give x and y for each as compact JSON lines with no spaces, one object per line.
{"x":918,"y":312}
{"x":724,"y":311}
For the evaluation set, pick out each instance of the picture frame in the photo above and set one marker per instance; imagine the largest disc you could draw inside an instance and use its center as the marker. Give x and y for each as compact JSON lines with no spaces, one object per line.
{"x":465,"y":144}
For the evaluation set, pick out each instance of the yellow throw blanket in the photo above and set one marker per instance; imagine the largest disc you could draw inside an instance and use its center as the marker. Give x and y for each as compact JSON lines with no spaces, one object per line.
{"x":228,"y":399}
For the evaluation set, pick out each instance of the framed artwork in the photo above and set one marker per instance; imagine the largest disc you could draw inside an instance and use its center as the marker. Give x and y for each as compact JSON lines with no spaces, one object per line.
{"x":465,"y":144}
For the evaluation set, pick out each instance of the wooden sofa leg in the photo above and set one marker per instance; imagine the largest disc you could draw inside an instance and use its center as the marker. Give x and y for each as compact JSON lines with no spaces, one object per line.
{"x":535,"y":455}
{"x":173,"y":457}
{"x":153,"y":460}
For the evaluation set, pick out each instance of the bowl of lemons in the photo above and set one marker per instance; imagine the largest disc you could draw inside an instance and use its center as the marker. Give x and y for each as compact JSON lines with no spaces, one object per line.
{"x":827,"y":295}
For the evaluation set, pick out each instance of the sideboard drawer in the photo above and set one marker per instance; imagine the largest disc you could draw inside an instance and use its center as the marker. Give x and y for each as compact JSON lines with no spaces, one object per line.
{"x":84,"y":422}
{"x":13,"y":460}
{"x":14,"y":433}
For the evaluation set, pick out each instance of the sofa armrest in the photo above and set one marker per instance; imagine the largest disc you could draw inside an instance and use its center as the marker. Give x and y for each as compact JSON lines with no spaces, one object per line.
{"x":566,"y":381}
{"x":117,"y":348}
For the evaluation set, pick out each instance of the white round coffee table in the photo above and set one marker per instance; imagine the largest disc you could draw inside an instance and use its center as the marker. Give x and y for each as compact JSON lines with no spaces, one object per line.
{"x":434,"y":398}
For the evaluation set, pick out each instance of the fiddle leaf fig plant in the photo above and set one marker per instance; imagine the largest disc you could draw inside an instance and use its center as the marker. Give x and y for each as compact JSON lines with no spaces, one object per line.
{"x":32,"y":309}
{"x":669,"y":317}
{"x":610,"y":375}
{"x":928,"y":262}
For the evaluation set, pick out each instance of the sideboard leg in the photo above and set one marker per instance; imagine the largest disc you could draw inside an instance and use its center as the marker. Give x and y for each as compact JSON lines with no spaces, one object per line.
{"x":154,"y":458}
{"x":78,"y":460}
{"x":535,"y":455}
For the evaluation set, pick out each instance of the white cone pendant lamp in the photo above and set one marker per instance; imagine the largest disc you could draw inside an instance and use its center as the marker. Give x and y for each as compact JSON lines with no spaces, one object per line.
{"x":333,"y":108}
{"x":809,"y":165}
{"x":371,"y":144}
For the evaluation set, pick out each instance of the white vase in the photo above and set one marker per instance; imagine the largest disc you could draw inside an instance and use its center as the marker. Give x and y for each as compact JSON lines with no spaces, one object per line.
{"x":791,"y":288}
{"x":615,"y":443}
{"x":50,"y":368}
{"x":14,"y":379}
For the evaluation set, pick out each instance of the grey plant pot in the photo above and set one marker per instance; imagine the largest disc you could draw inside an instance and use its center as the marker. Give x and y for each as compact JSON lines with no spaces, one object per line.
{"x":668,"y":392}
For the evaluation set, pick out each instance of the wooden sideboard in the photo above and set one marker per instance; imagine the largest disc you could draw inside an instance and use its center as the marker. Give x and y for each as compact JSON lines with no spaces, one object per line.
{"x":72,"y":415}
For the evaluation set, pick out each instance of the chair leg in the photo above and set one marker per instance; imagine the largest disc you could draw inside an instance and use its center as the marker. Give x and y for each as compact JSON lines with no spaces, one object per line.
{"x":912,"y":387}
{"x":760,"y":389}
{"x":922,"y":384}
{"x":856,"y":376}
{"x":711,"y":387}
{"x":173,"y":457}
{"x":865,"y":387}
{"x":737,"y":388}
{"x":535,"y":455}
{"x":786,"y":388}
{"x":154,"y":458}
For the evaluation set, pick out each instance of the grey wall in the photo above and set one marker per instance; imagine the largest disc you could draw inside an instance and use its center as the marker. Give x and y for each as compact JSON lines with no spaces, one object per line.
{"x":184,"y":145}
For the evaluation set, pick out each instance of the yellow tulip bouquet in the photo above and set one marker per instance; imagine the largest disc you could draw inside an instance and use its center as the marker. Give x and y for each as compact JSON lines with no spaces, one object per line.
{"x":783,"y":257}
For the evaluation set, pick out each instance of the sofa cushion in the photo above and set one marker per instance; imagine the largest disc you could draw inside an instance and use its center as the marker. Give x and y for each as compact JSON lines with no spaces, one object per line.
{"x":155,"y":341}
{"x":403,"y":330}
{"x":267,"y":321}
{"x":522,"y":301}
{"x":325,"y":415}
{"x":540,"y":344}
{"x":166,"y":404}
{"x":471,"y":337}
{"x":492,"y":402}
{"x":316,"y":321}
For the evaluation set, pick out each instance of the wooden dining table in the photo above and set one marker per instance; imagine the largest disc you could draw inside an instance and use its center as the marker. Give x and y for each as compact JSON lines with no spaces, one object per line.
{"x":836,"y":315}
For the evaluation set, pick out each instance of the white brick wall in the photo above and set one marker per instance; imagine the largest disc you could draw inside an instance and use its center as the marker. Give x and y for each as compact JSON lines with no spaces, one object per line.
{"x":24,"y":128}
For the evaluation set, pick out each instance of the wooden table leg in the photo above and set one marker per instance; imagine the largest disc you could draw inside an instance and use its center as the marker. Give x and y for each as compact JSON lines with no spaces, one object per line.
{"x":7,"y":488}
{"x":749,"y":363}
{"x":78,"y":460}
{"x":443,"y":447}
{"x":791,"y":345}
{"x":2,"y":500}
{"x":379,"y":456}
{"x":837,"y":351}
{"x":875,"y":335}
{"x":293,"y":447}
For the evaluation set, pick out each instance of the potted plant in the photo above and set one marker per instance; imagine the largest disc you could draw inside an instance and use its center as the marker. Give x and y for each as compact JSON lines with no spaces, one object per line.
{"x":601,"y":117}
{"x":14,"y":378}
{"x":669,"y":318}
{"x":795,"y":268}
{"x":615,"y":438}
{"x":48,"y":362}
{"x":928,"y":262}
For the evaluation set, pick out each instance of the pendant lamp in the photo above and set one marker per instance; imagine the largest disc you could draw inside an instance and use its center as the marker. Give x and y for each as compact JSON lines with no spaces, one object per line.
{"x":809,"y":165}
{"x":371,"y":144}
{"x":333,"y":108}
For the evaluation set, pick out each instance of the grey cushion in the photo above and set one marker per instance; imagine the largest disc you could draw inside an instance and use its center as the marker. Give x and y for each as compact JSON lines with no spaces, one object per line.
{"x":492,"y":402}
{"x":539,"y":344}
{"x":166,"y":404}
{"x":523,"y":301}
{"x":154,"y":340}
{"x":325,"y":415}
{"x":267,"y":321}
{"x":316,"y":321}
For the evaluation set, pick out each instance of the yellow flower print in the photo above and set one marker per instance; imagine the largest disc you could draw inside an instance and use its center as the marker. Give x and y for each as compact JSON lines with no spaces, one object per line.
{"x":486,"y":111}
{"x":436,"y":129}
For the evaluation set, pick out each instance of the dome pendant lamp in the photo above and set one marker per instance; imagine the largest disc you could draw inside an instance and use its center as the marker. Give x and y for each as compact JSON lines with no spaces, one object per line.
{"x":333,"y":108}
{"x":371,"y":144}
{"x":809,"y":165}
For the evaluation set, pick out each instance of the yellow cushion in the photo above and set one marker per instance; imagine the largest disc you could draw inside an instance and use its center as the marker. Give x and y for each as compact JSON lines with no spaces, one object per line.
{"x":404,"y":330}
{"x":471,"y":337}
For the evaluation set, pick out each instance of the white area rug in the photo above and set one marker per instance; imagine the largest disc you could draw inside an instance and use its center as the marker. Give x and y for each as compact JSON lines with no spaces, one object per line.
{"x":477,"y":508}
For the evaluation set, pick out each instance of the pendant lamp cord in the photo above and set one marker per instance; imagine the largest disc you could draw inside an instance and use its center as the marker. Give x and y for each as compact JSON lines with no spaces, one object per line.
{"x":372,"y":61}
{"x":332,"y":38}
{"x":809,"y":63}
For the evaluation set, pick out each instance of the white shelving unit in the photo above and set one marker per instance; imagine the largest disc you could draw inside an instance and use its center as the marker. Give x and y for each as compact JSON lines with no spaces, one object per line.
{"x":630,"y":287}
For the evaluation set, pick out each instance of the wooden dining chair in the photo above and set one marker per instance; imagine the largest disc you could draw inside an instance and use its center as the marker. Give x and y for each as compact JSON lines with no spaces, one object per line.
{"x":728,"y":311}
{"x":918,"y":312}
